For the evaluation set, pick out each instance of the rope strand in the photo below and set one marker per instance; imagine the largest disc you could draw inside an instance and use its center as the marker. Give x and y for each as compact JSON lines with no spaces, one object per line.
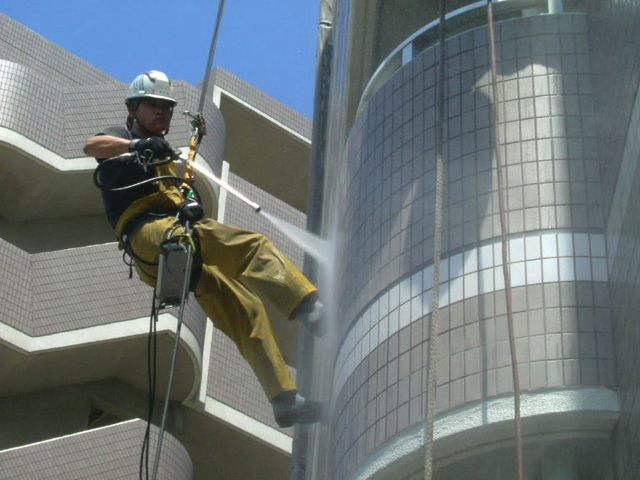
{"x":437,"y":247}
{"x":505,"y":245}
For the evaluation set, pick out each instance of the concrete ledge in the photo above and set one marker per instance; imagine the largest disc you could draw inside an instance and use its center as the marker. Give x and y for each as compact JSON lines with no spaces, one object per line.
{"x":111,"y":340}
{"x":96,"y":453}
{"x":485,"y":426}
{"x":248,"y":425}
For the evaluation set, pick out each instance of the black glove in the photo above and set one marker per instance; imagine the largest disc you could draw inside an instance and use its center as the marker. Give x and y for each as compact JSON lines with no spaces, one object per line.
{"x":190,"y":211}
{"x":158,"y":147}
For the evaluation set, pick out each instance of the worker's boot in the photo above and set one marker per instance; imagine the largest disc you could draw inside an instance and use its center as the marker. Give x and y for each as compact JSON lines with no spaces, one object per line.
{"x":290,"y":408}
{"x":311,"y":313}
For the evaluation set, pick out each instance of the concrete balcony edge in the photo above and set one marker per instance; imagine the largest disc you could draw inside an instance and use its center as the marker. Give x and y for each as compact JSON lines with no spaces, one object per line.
{"x":27,"y":345}
{"x":489,"y":424}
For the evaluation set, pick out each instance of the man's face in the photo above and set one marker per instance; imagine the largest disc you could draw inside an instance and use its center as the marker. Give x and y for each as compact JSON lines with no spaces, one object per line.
{"x":155,"y":114}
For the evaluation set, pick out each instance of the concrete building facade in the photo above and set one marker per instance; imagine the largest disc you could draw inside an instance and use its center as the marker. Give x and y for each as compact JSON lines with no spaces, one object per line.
{"x":74,"y":327}
{"x":567,"y":82}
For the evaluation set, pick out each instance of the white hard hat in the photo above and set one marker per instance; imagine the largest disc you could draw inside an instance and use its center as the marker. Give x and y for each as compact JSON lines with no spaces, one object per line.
{"x":151,"y":84}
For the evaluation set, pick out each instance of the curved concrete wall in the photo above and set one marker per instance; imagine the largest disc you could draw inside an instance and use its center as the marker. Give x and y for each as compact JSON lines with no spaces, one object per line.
{"x":80,"y":300}
{"x":556,"y":235}
{"x":58,"y":100}
{"x":74,"y":289}
{"x":108,"y":453}
{"x":61,"y":117}
{"x":30,"y":103}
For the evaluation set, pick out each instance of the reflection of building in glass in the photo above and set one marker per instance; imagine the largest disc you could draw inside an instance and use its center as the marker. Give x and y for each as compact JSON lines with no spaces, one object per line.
{"x":73,"y":327}
{"x":568,"y":112}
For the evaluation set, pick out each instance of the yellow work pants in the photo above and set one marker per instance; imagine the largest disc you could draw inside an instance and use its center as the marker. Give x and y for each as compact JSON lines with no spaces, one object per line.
{"x":235,"y":264}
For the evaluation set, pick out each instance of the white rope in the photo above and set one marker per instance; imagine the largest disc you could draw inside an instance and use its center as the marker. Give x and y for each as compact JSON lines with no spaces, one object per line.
{"x":437,"y":247}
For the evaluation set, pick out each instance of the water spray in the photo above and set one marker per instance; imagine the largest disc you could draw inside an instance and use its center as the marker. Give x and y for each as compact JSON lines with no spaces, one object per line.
{"x":224,"y":185}
{"x":315,"y":246}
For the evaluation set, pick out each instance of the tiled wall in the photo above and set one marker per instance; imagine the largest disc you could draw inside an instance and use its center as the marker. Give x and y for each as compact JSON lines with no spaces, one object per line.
{"x":555,"y":228}
{"x":615,"y":35}
{"x":625,"y":292}
{"x":615,"y":38}
{"x":537,"y":260}
{"x":110,"y":453}
{"x":31,"y":104}
{"x":550,"y":154}
{"x":20,"y":45}
{"x":15,"y":287}
{"x":78,"y":288}
{"x":58,"y":100}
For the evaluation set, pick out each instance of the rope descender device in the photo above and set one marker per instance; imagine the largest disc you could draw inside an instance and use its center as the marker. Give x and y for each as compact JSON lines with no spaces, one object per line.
{"x":174,"y":269}
{"x":199,"y":130}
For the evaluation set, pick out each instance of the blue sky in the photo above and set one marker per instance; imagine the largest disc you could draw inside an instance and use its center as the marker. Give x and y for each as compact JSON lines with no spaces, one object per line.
{"x":268,"y":43}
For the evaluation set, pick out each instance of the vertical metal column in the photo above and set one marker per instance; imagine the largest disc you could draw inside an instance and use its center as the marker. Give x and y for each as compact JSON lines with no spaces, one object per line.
{"x":314,"y":220}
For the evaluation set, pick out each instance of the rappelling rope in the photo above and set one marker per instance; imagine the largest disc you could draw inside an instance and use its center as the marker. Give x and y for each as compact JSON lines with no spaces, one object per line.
{"x":437,"y":247}
{"x":198,"y":131}
{"x":505,"y":245}
{"x":433,"y":338}
{"x":198,"y":123}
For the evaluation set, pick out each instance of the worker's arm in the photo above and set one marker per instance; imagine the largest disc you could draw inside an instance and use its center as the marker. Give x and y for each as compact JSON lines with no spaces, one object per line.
{"x":106,"y":146}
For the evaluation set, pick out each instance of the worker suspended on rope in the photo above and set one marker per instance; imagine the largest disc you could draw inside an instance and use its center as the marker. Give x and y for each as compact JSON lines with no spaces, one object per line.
{"x":231,"y":264}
